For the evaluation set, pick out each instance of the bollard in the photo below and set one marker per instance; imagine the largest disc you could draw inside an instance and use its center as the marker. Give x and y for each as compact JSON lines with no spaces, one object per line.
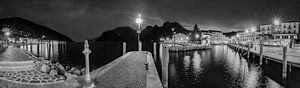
{"x":261,"y":54}
{"x":154,"y":51}
{"x":292,"y":41}
{"x":284,"y":65}
{"x":124,"y":48}
{"x":87,"y":52}
{"x":140,"y":45}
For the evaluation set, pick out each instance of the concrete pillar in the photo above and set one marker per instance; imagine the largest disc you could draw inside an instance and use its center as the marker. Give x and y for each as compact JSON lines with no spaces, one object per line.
{"x":140,"y":45}
{"x":124,"y":48}
{"x":284,"y":65}
{"x":261,"y":54}
{"x":165,"y":63}
{"x":292,"y":41}
{"x":154,"y":52}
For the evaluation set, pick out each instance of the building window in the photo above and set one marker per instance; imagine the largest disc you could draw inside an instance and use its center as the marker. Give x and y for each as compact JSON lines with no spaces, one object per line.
{"x":277,"y":37}
{"x":291,"y":36}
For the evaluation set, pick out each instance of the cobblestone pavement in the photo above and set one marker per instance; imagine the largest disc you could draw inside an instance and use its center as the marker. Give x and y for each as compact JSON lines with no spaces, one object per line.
{"x":13,"y":54}
{"x":31,"y":76}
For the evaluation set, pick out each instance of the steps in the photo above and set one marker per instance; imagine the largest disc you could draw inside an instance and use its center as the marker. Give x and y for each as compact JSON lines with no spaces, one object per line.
{"x":16,"y":65}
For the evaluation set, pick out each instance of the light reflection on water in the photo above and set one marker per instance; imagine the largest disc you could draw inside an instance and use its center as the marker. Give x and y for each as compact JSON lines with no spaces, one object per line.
{"x":49,"y":50}
{"x":196,"y":63}
{"x":216,"y":68}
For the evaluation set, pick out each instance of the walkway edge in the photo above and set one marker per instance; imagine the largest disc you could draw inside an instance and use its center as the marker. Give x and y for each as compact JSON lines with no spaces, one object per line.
{"x":153,"y":80}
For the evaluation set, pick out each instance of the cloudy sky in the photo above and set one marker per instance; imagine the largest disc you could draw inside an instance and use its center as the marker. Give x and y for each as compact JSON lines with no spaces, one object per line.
{"x":83,"y":19}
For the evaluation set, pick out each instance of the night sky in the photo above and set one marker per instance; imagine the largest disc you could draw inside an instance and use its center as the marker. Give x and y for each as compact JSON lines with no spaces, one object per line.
{"x":84,"y":19}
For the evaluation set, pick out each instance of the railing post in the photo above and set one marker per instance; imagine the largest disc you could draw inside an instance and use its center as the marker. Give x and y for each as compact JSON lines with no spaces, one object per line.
{"x":124,"y":48}
{"x":87,"y":52}
{"x":284,"y":65}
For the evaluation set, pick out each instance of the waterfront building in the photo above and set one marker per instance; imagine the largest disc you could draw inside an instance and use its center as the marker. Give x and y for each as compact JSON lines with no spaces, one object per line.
{"x":248,"y":37}
{"x":218,"y":38}
{"x":286,"y":30}
{"x":279,"y":34}
{"x":180,"y":38}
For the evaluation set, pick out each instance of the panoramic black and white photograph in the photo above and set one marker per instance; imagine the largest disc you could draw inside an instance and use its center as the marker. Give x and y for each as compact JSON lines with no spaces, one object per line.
{"x":149,"y":43}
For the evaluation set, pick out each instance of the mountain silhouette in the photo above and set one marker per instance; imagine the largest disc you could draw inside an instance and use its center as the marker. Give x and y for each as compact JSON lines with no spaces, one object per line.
{"x":119,"y":34}
{"x":25,"y":28}
{"x":150,"y":33}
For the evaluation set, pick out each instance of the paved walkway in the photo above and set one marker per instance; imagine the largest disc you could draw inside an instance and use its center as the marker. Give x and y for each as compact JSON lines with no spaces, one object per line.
{"x":13,"y":54}
{"x":128,"y":71}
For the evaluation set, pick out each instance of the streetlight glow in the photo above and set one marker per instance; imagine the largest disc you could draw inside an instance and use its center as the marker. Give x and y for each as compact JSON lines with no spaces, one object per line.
{"x":7,"y":33}
{"x":253,"y":29}
{"x":247,"y":31}
{"x":197,"y":35}
{"x":139,"y":20}
{"x":276,"y":21}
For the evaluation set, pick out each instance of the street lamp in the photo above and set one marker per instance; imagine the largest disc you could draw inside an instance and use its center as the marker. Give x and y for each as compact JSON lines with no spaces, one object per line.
{"x":139,"y":22}
{"x":6,"y":34}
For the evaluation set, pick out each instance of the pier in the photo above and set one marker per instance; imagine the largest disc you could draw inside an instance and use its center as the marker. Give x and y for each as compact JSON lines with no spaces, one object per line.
{"x":286,"y":62}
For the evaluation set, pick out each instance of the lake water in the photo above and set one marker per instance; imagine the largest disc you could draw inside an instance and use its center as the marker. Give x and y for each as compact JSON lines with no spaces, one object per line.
{"x":220,"y":67}
{"x":71,"y":53}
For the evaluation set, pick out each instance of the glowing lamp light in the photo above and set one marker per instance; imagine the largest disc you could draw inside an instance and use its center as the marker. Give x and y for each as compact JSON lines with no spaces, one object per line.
{"x":7,"y":33}
{"x":253,"y":29}
{"x":139,"y":20}
{"x":197,"y":35}
{"x":247,"y":31}
{"x":276,"y":21}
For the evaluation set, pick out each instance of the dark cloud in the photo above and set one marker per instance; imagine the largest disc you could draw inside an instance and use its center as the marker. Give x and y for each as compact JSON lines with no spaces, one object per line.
{"x":82,"y":19}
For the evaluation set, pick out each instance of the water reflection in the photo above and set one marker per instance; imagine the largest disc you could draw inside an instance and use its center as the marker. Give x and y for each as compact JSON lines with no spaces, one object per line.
{"x":220,"y":67}
{"x":49,"y":50}
{"x":186,"y":61}
{"x":196,"y":62}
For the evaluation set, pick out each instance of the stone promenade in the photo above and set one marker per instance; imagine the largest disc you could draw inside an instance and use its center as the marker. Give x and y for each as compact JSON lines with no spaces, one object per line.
{"x":16,"y":74}
{"x":128,"y":71}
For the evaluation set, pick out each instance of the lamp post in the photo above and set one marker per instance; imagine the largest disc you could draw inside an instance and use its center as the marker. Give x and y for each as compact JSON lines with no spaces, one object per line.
{"x":139,"y":22}
{"x":173,"y":36}
{"x":253,"y":36}
{"x":6,"y":34}
{"x":276,"y":23}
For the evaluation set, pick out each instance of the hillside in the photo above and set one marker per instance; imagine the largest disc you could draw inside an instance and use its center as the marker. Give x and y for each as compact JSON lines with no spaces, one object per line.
{"x":25,"y":28}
